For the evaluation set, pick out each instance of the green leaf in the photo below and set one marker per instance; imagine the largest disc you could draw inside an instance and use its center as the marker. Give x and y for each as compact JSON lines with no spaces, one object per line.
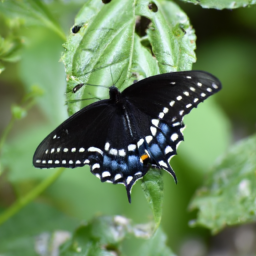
{"x":108,"y":49}
{"x":222,"y":4}
{"x":24,"y":233}
{"x":156,"y":246}
{"x":228,"y":195}
{"x":31,"y":13}
{"x":152,"y":185}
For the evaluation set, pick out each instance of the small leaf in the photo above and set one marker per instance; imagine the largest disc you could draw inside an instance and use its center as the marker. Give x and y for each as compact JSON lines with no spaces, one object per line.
{"x":152,"y":185}
{"x":228,"y":195}
{"x":18,"y":112}
{"x":222,"y":4}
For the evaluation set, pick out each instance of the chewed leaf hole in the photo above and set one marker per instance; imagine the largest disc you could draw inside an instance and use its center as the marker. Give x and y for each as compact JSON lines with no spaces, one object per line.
{"x":142,"y":24}
{"x":153,"y":7}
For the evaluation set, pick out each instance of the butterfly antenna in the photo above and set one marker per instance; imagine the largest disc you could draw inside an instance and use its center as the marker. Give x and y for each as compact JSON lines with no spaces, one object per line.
{"x":111,"y":75}
{"x":79,"y":86}
{"x":74,"y":101}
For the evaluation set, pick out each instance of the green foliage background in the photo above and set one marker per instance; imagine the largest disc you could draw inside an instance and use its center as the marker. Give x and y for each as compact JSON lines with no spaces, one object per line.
{"x":33,"y":91}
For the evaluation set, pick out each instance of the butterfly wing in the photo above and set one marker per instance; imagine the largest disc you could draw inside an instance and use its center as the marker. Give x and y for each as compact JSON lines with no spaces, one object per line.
{"x":97,"y":135}
{"x":70,"y":143}
{"x":165,"y":99}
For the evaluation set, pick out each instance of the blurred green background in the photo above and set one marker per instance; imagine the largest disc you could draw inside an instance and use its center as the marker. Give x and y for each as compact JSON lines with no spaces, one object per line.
{"x":226,"y":47}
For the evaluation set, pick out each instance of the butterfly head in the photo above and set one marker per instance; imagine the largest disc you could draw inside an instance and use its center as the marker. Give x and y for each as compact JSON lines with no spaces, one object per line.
{"x":114,"y":95}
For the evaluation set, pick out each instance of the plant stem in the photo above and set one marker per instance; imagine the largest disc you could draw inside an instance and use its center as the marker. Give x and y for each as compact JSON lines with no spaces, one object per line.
{"x":20,"y":203}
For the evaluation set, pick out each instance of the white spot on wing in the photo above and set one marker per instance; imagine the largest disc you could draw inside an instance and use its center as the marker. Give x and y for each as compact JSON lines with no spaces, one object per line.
{"x":179,"y":97}
{"x":195,"y":100}
{"x":181,"y":112}
{"x":52,"y":150}
{"x":95,"y":166}
{"x":155,"y":122}
{"x":98,"y":176}
{"x":153,"y":130}
{"x":131,"y":147}
{"x":176,"y":124}
{"x":78,"y":162}
{"x":162,"y":163}
{"x":122,"y":152}
{"x":105,"y":174}
{"x":149,"y":139}
{"x":94,"y":149}
{"x":107,"y":145}
{"x":46,"y":151}
{"x":65,"y":150}
{"x":86,"y":161}
{"x":38,"y":161}
{"x":49,"y":161}
{"x":192,"y":89}
{"x":57,"y":162}
{"x":173,"y":82}
{"x":129,"y":179}
{"x":189,"y":105}
{"x":172,"y":103}
{"x":165,"y":110}
{"x":113,"y":151}
{"x":73,"y":150}
{"x":81,"y":150}
{"x":161,"y":115}
{"x":70,"y":162}
{"x":43,"y":162}
{"x":199,"y":84}
{"x":186,"y":93}
{"x":209,"y":89}
{"x":64,"y":161}
{"x":215,"y":86}
{"x":55,"y":136}
{"x":138,"y":174}
{"x":203,"y":94}
{"x":174,"y":137}
{"x":118,"y":176}
{"x":140,"y":142}
{"x":58,"y":150}
{"x":188,"y":77}
{"x":168,"y":149}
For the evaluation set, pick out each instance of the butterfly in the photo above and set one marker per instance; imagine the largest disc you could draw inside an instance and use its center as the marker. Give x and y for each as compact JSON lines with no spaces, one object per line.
{"x":120,"y":138}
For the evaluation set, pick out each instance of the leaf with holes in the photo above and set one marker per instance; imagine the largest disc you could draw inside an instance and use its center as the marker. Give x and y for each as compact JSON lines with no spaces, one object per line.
{"x":222,"y":4}
{"x":123,"y":41}
{"x":228,"y":195}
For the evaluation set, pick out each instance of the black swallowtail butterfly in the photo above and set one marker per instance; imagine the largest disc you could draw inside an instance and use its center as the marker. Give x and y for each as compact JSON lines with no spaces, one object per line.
{"x":123,"y":136}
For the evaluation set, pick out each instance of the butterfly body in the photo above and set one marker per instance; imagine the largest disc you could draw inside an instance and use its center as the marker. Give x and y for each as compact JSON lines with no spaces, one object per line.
{"x":123,"y":136}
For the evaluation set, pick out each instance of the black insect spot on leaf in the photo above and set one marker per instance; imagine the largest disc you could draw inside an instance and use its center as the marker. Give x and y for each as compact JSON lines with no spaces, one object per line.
{"x":106,"y":1}
{"x":153,"y":7}
{"x":76,"y":29}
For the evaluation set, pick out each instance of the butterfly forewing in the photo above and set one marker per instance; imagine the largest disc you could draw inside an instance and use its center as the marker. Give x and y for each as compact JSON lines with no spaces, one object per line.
{"x":171,"y":96}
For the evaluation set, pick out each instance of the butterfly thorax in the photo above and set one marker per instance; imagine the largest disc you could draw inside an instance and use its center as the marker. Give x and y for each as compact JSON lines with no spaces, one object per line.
{"x":115,"y":95}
